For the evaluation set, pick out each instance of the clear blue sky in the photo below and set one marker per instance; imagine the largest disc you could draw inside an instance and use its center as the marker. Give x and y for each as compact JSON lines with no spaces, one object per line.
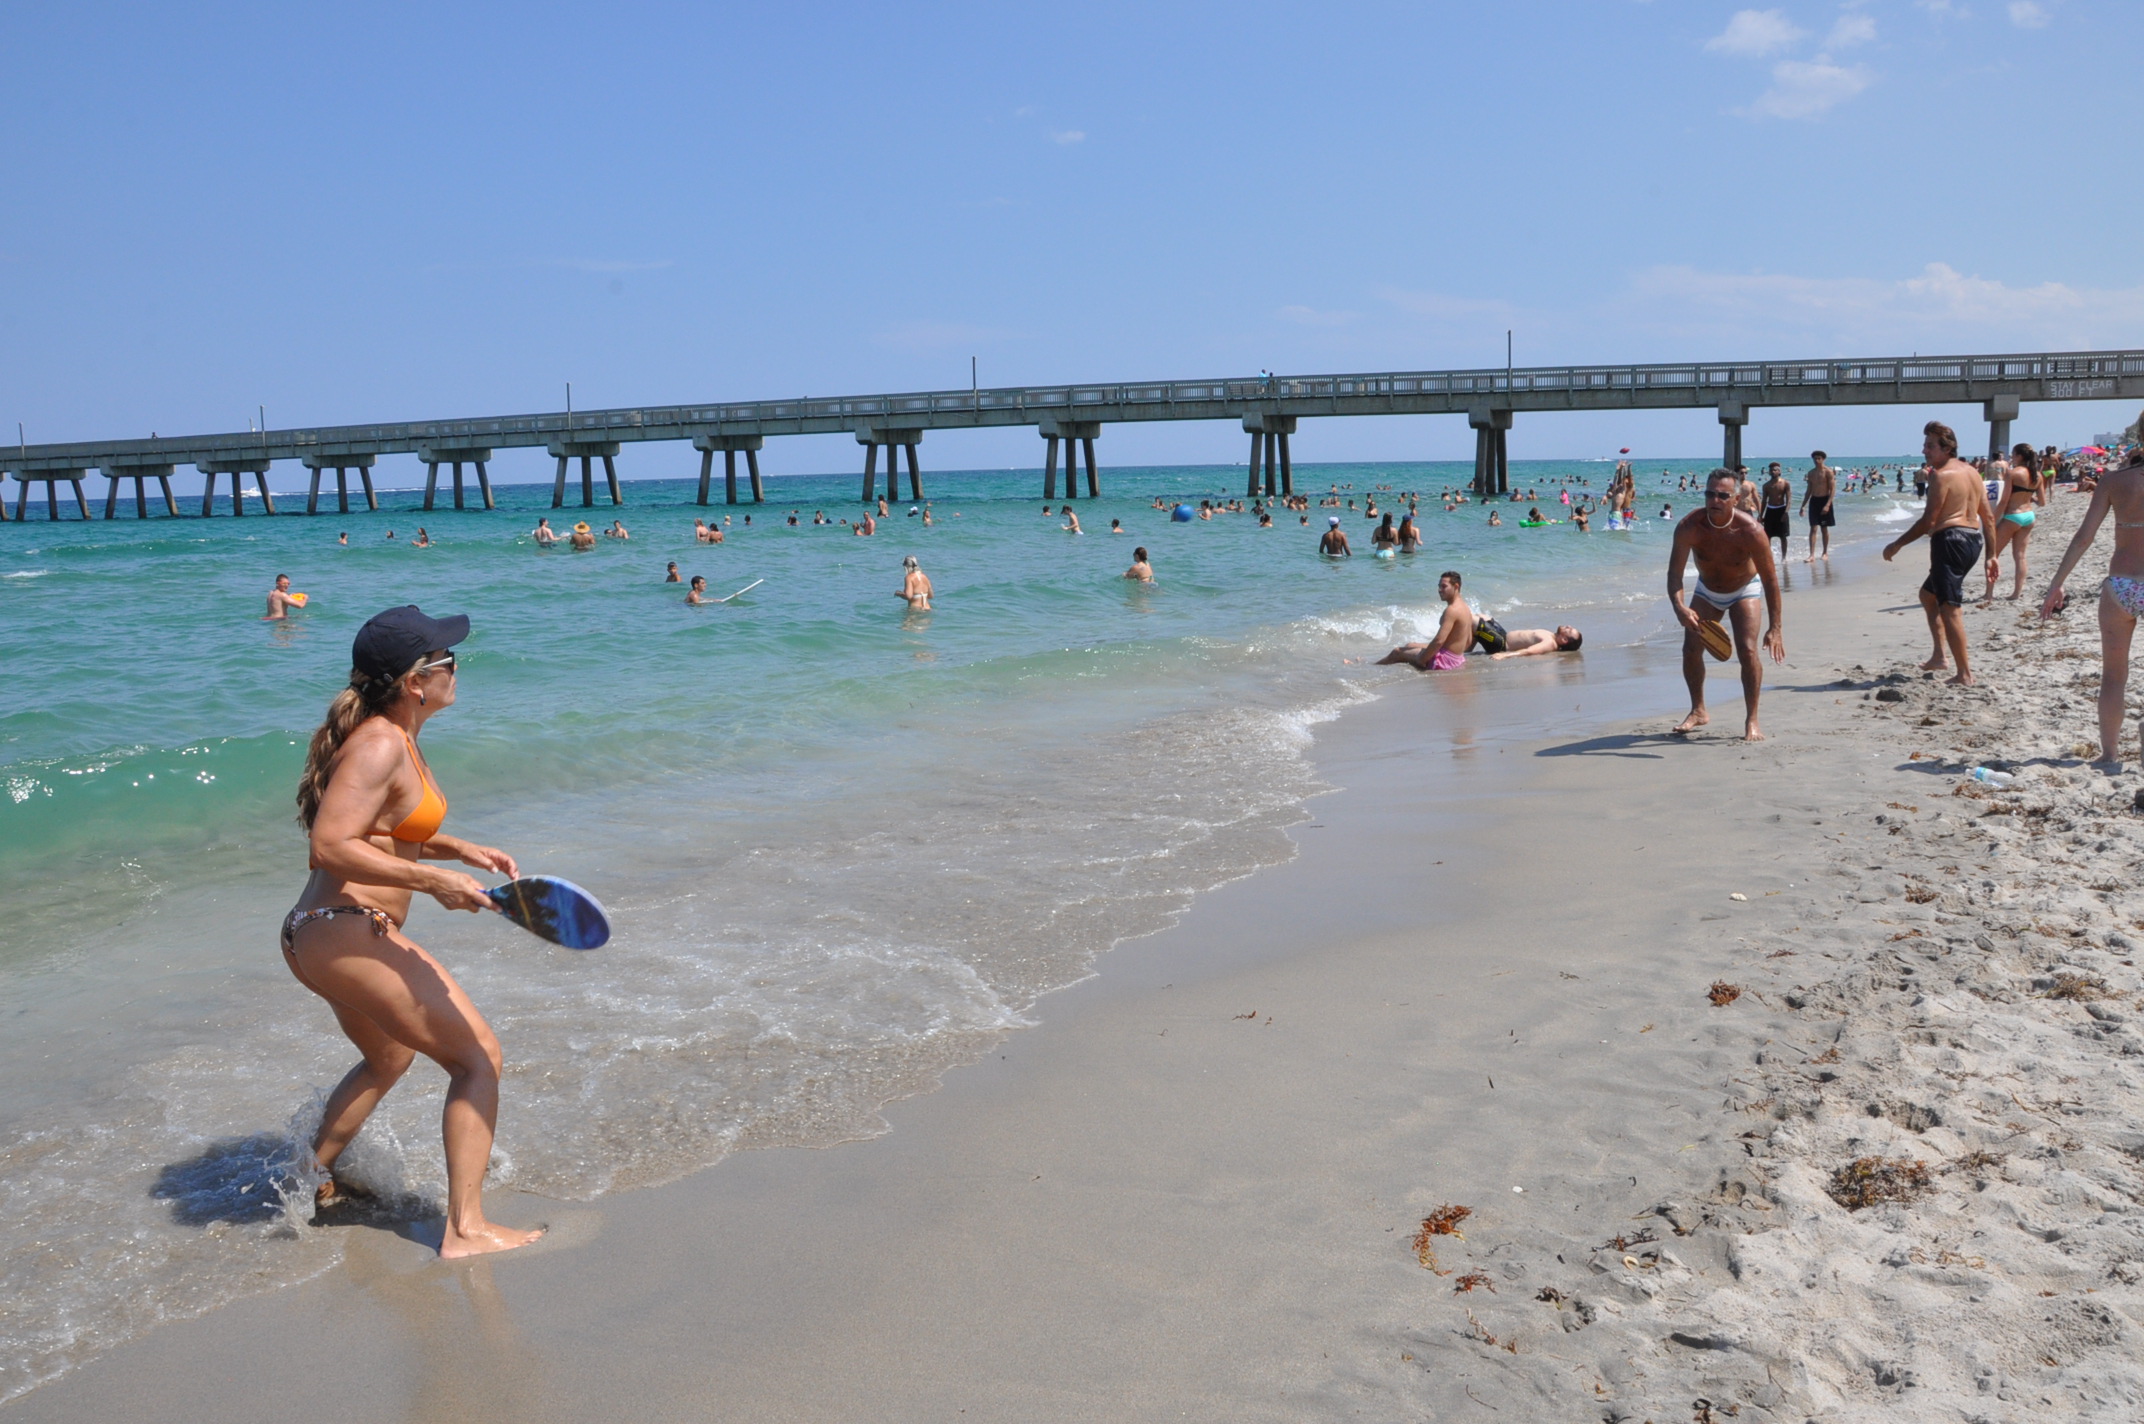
{"x":403,"y":211}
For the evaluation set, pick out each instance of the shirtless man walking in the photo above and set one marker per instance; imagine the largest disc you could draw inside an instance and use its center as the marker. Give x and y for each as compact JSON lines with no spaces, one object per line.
{"x":1818,"y":492}
{"x":1455,"y":633}
{"x":1778,"y":489}
{"x":1734,"y":566}
{"x":1959,"y":525}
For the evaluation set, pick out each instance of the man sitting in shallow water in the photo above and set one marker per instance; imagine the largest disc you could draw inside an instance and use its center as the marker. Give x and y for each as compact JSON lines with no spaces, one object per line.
{"x":1455,"y":633}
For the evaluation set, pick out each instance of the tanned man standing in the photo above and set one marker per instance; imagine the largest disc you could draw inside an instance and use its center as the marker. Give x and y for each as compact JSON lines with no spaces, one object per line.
{"x":1734,"y":567}
{"x":1818,"y":494}
{"x":1959,"y":524}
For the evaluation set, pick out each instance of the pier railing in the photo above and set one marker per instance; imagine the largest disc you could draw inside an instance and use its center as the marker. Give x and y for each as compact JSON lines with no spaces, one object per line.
{"x":1731,"y":385}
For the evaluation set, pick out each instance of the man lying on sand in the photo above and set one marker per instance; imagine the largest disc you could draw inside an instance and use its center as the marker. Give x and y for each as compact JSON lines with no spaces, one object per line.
{"x":1532,"y":642}
{"x":1455,"y":634}
{"x":1734,"y":566}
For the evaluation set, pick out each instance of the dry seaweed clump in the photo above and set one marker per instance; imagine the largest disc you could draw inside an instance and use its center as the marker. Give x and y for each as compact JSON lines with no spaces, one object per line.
{"x":2082,"y":987}
{"x":1866,"y":1181}
{"x":1444,"y":1221}
{"x":1724,"y":993}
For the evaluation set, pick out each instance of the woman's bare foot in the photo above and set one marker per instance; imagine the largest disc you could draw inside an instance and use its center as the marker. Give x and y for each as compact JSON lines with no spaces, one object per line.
{"x":1963,"y":679}
{"x":1698,"y":717}
{"x":1935,"y":664}
{"x":334,"y":1193}
{"x":1751,"y":734}
{"x":479,"y":1240}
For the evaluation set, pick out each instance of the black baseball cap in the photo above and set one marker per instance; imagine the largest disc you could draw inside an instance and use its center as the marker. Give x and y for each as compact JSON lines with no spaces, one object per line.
{"x":391,"y":642}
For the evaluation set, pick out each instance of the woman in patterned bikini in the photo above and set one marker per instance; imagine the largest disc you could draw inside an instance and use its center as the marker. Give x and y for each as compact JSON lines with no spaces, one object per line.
{"x":2121,"y":597}
{"x":373,"y":813}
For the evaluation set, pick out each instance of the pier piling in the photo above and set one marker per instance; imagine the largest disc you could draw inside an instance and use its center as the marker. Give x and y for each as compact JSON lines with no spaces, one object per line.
{"x":1733,"y":416}
{"x":141,"y":475}
{"x":51,"y":479}
{"x":341,"y":464}
{"x":893,"y":438}
{"x":237,"y":469}
{"x":457,"y":456}
{"x":1492,"y":461}
{"x":587,"y":452}
{"x":1272,"y":472}
{"x":1078,"y":436}
{"x":2000,"y":411}
{"x":730,"y":446}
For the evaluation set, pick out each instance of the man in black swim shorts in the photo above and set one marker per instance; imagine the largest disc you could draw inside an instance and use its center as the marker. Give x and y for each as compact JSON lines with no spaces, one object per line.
{"x":1958,"y":523}
{"x":1775,"y":494}
{"x":1821,"y":488}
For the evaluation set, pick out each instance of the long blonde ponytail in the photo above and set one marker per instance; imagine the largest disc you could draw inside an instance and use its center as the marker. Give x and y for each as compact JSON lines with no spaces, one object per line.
{"x":362,"y":700}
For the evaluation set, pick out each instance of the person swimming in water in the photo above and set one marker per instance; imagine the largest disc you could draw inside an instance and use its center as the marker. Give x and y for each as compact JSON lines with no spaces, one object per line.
{"x":1333,"y":542}
{"x":1141,"y":570}
{"x":696,"y":594}
{"x":671,"y":576}
{"x":544,"y":535}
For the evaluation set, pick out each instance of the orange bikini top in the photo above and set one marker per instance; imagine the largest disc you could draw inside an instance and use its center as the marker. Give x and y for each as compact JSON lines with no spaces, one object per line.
{"x":423,"y":823}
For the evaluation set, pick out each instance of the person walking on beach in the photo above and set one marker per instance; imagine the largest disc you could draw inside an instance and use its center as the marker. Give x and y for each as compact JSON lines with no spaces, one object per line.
{"x":1778,"y":489}
{"x":2022,"y":491}
{"x":280,"y":601}
{"x":1734,"y":567}
{"x":373,"y":813}
{"x":1819,"y":489}
{"x":915,"y":586}
{"x":1333,"y":542}
{"x":2121,"y":596}
{"x":1455,"y":633}
{"x":1958,"y":524}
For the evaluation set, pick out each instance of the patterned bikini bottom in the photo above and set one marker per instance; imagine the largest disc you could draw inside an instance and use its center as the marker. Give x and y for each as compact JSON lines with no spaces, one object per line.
{"x":381,"y":923}
{"x":2127,"y":592}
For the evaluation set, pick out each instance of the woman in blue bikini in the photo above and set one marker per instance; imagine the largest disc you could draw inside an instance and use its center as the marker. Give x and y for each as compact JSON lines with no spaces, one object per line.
{"x":2121,"y":596}
{"x":2023,"y":490}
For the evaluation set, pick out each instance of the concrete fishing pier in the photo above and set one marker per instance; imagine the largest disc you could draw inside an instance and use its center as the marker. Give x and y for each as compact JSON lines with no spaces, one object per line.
{"x":1268,"y":408}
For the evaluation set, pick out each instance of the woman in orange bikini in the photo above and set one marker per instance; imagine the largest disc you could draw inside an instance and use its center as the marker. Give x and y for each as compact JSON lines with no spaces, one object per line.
{"x":373,"y":812}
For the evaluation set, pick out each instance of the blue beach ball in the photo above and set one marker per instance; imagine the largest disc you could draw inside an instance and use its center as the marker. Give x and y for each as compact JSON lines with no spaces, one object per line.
{"x":1183,"y":514}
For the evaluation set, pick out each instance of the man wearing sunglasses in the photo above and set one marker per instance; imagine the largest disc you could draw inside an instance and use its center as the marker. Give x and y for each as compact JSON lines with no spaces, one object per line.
{"x":1734,"y":567}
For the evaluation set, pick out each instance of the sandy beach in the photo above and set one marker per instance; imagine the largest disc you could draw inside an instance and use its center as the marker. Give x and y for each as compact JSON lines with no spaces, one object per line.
{"x":1636,"y":1004}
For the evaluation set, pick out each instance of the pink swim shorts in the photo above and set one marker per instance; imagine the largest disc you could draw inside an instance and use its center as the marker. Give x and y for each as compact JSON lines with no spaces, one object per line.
{"x":1446,"y":661}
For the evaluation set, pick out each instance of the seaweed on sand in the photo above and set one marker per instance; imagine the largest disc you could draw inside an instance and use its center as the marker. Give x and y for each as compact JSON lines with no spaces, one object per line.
{"x":1866,"y":1181}
{"x":1444,"y":1221}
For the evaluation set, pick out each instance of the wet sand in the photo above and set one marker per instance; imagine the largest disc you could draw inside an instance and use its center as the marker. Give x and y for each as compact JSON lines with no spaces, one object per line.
{"x":1485,"y":981}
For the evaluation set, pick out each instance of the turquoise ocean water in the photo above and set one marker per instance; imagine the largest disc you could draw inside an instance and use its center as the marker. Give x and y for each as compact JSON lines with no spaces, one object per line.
{"x":846,"y":846}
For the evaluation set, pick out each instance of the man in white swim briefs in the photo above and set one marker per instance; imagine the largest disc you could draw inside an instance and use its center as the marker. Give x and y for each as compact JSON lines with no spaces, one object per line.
{"x":1734,"y":567}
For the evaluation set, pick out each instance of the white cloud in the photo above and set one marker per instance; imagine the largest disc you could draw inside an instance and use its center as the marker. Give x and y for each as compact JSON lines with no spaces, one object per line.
{"x":1943,"y":8}
{"x":1851,"y":30}
{"x":1802,"y":89}
{"x":1067,"y":136}
{"x":1940,"y":310}
{"x":1755,"y":33}
{"x":1311,"y":316}
{"x":2027,"y":15}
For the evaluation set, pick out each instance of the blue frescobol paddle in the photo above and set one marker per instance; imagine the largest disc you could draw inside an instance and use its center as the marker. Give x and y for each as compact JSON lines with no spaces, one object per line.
{"x":554,"y":909}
